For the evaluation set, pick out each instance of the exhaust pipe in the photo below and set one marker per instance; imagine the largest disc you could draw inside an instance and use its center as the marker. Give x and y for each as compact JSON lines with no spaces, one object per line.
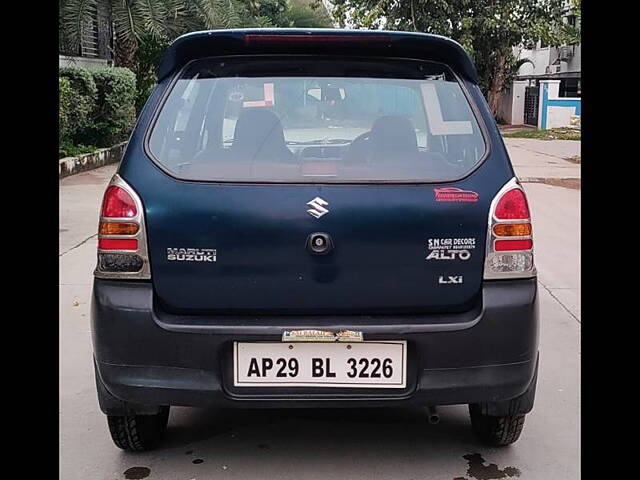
{"x":433,"y":416}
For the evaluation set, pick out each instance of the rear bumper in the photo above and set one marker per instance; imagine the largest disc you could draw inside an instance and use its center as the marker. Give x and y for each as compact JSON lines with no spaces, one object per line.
{"x":146,"y":357}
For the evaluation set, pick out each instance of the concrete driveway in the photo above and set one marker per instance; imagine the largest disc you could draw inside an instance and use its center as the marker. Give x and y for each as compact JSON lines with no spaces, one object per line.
{"x":538,"y":159}
{"x":327,"y":444}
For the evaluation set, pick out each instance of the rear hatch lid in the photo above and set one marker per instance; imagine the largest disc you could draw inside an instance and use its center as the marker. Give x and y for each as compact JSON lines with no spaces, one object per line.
{"x":261,"y":153}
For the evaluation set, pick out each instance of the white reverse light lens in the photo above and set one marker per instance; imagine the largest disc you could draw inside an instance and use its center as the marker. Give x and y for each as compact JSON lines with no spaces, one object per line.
{"x":511,"y":262}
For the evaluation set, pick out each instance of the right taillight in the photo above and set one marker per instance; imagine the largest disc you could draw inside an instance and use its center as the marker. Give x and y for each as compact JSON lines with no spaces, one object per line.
{"x":509,"y":236}
{"x":122,"y":243}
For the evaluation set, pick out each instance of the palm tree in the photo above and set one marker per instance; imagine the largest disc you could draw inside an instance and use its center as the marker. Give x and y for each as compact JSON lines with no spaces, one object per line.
{"x":144,"y":28}
{"x":132,"y":19}
{"x":137,"y":21}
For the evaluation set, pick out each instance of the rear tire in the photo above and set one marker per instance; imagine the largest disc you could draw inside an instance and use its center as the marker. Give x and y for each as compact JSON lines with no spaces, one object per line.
{"x":137,"y":433}
{"x":496,"y":431}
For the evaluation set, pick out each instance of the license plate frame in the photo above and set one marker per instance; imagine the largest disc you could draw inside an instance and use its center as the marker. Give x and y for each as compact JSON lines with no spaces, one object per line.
{"x":337,"y":352}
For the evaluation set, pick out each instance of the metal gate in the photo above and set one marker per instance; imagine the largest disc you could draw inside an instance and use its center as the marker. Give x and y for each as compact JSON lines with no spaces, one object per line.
{"x":531,"y":105}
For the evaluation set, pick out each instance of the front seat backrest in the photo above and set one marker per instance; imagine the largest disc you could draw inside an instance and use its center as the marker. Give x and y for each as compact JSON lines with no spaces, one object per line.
{"x":393,"y":136}
{"x":259,"y":136}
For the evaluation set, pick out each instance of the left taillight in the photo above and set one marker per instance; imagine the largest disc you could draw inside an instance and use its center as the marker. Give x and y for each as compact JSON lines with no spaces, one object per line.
{"x":510,"y":235}
{"x":122,"y":242}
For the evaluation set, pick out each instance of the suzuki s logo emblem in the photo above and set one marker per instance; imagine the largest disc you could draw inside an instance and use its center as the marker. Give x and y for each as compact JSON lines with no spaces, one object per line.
{"x":317,"y":207}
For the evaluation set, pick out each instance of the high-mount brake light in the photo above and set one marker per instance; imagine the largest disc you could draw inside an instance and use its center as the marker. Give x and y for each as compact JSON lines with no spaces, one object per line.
{"x":122,"y":243}
{"x":260,"y":38}
{"x":509,"y":235}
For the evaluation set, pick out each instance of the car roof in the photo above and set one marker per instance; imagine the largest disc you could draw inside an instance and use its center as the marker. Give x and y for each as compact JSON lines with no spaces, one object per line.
{"x":339,"y":42}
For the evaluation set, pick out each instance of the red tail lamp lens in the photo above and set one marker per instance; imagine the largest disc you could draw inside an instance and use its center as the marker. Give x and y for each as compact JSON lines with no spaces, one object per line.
{"x":118,"y":203}
{"x":118,"y":244}
{"x":513,"y":206}
{"x":508,"y":245}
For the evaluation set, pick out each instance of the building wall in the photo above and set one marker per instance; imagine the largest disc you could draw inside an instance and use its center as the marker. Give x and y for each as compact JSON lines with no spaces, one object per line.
{"x":545,"y":64}
{"x":540,"y":58}
{"x":555,"y":111}
{"x":85,"y":62}
{"x":575,"y":64}
{"x":96,"y":47}
{"x":511,"y":107}
{"x":517,"y":102}
{"x":544,"y":57}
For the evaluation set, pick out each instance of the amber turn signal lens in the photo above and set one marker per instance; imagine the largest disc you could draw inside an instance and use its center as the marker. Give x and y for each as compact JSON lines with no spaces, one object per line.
{"x":512,"y":229}
{"x":118,"y":228}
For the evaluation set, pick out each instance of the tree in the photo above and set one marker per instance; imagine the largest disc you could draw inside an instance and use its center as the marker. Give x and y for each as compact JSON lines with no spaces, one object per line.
{"x":144,"y":28}
{"x":137,"y":21}
{"x":487,"y":29}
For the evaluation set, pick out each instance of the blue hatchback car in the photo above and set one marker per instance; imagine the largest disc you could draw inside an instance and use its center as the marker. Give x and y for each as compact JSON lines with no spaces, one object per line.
{"x":313,"y":218}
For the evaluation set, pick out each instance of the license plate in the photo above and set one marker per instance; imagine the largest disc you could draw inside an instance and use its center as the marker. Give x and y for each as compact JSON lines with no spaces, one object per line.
{"x":355,"y":365}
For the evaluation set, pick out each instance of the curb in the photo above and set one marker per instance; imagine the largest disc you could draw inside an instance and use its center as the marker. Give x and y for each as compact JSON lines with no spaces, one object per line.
{"x":567,"y":182}
{"x":104,"y":156}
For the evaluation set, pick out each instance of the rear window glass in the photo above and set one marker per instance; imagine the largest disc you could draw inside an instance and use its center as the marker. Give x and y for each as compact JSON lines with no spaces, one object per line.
{"x":316,"y":120}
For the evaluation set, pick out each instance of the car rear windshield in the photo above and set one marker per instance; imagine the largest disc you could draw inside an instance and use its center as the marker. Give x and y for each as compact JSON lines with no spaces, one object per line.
{"x":316,"y":120}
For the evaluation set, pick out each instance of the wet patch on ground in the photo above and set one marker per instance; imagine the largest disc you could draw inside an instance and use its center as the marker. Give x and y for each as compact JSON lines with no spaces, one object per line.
{"x":479,"y":471}
{"x":137,"y":473}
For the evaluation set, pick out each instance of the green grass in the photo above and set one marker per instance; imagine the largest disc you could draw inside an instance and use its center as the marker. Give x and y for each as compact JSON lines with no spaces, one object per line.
{"x":551,"y":134}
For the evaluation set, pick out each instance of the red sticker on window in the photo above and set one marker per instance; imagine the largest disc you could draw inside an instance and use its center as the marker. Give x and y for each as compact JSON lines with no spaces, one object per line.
{"x":452,"y":194}
{"x":269,"y":98}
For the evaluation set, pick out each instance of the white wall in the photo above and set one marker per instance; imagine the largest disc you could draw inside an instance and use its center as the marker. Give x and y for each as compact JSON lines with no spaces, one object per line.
{"x":517,"y":102}
{"x":575,"y":64}
{"x":554,"y":111}
{"x":543,"y":57}
{"x":511,"y":107}
{"x":558,"y":117}
{"x":65,"y":61}
{"x":540,"y":58}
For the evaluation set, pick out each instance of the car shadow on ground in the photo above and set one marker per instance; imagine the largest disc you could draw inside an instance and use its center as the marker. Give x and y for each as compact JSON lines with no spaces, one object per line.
{"x":188,"y":426}
{"x":344,"y":443}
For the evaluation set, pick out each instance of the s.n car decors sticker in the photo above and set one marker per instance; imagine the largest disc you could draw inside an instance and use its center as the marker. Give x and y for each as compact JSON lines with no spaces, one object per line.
{"x":450,"y":248}
{"x":452,"y":194}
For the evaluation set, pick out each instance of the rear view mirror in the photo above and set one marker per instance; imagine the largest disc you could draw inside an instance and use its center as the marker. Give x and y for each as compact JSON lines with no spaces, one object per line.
{"x":326,"y":93}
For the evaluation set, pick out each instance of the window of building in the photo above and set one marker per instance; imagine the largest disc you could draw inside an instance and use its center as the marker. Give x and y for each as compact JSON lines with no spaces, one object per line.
{"x":569,"y":87}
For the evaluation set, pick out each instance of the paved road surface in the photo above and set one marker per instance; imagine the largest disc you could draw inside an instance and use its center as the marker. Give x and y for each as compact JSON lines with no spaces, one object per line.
{"x":326,"y":444}
{"x":534,"y":158}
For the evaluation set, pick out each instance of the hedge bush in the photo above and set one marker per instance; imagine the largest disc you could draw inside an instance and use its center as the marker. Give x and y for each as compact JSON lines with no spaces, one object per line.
{"x":64,"y":111}
{"x":115,"y":111}
{"x":97,"y":106}
{"x":83,"y":100}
